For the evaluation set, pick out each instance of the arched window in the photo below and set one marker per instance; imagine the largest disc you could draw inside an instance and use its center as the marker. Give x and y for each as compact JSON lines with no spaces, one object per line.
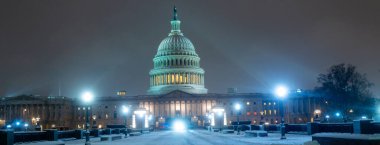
{"x":172,"y":78}
{"x":167,"y":79}
{"x":180,"y":79}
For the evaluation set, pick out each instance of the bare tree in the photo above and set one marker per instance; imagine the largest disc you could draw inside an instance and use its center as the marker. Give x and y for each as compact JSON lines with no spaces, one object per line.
{"x":346,"y":91}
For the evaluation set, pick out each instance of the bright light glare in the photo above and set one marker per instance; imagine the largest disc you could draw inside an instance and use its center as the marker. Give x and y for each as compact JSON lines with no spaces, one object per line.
{"x":237,"y":106}
{"x":281,"y":91}
{"x":26,"y":125}
{"x":337,"y":114}
{"x":9,"y":126}
{"x":17,"y":123}
{"x":125,"y":109}
{"x":327,"y":116}
{"x":179,"y":126}
{"x":364,"y":117}
{"x":87,"y":97}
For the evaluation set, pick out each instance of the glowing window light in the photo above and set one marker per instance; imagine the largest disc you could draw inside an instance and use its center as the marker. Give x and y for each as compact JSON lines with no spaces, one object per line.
{"x":146,"y":123}
{"x":225,"y":119}
{"x":133,"y":121}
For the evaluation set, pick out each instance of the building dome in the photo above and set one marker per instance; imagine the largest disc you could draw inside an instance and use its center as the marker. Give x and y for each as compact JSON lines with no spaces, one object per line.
{"x":176,"y":44}
{"x":176,"y":65}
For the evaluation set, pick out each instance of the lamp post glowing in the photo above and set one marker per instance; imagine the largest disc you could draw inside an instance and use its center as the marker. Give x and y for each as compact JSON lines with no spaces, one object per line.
{"x":141,"y":113}
{"x":125,"y":111}
{"x":282,"y":92}
{"x":26,"y":126}
{"x":87,"y":98}
{"x":238,"y":107}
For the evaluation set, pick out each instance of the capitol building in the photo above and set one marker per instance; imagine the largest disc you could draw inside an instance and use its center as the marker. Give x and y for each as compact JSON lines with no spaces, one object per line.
{"x":176,"y":90}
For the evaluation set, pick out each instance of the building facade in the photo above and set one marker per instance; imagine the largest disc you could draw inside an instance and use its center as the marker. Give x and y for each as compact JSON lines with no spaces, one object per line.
{"x":176,"y":91}
{"x":49,"y":111}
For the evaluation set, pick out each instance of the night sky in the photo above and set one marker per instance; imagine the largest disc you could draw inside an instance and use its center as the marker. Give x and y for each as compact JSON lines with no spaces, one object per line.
{"x":106,"y":46}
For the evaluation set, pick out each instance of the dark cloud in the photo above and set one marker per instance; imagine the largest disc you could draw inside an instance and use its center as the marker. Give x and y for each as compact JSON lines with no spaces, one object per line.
{"x":108,"y":46}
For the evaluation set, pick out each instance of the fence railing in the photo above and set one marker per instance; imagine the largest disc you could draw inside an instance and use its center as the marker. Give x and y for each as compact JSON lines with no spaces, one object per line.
{"x":66,"y":134}
{"x":295,"y":128}
{"x":336,"y":127}
{"x":30,"y":136}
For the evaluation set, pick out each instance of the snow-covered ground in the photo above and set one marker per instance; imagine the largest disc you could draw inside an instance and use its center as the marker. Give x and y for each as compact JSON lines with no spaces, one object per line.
{"x":201,"y":137}
{"x":198,"y":137}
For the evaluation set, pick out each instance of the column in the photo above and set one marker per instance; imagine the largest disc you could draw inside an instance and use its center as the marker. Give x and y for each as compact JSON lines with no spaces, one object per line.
{"x":165,"y":79}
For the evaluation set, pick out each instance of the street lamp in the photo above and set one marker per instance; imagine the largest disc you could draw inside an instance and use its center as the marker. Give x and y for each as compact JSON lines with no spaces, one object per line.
{"x":219,"y":111}
{"x":87,"y":98}
{"x":125,"y":111}
{"x":238,"y":107}
{"x":282,"y":92}
{"x":141,"y":113}
{"x":327,"y":117}
{"x":26,"y":126}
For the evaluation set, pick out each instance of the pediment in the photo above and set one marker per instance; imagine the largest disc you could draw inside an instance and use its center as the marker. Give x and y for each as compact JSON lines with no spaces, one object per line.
{"x":177,"y":94}
{"x":24,"y":97}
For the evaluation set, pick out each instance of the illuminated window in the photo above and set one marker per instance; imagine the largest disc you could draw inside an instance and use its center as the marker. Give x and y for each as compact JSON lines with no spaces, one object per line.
{"x":180,"y":79}
{"x":255,"y":113}
{"x":265,"y":112}
{"x":274,"y":103}
{"x":133,"y":121}
{"x":172,"y":78}
{"x":265,"y":103}
{"x":275,"y":112}
{"x":177,"y":106}
{"x":106,"y":116}
{"x":224,"y":118}
{"x":270,"y":112}
{"x":121,"y":93}
{"x":168,"y":77}
{"x":269,"y":103}
{"x":248,"y":103}
{"x":261,"y":113}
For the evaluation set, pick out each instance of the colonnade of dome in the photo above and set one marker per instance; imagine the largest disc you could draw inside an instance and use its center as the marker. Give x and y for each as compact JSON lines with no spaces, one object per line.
{"x":176,"y":78}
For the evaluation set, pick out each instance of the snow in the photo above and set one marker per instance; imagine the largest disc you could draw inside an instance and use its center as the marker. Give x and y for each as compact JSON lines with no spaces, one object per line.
{"x":198,"y":137}
{"x":349,"y":135}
